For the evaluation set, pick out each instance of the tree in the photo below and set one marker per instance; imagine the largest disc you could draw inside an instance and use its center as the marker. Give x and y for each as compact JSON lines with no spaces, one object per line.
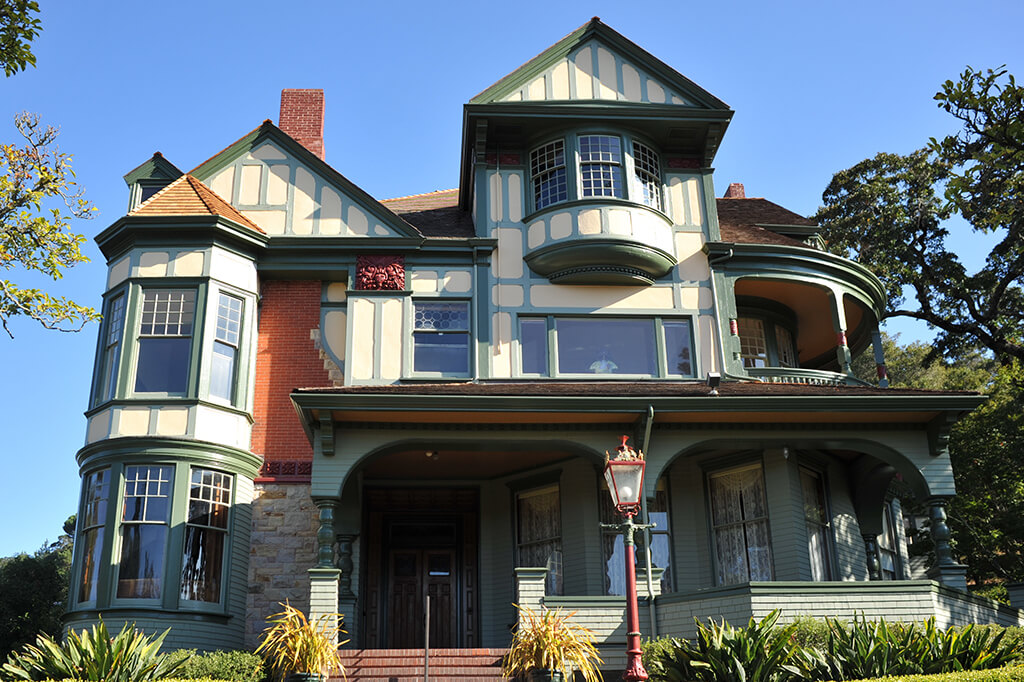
{"x":38,"y":199}
{"x":34,"y":592}
{"x":891,"y":213}
{"x":18,"y":28}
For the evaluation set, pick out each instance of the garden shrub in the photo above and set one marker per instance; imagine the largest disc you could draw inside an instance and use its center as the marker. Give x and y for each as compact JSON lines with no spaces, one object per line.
{"x":130,"y":656}
{"x":238,"y":666}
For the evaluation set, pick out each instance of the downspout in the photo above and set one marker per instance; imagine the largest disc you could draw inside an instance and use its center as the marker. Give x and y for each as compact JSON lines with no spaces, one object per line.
{"x":718,"y":316}
{"x":651,"y":606}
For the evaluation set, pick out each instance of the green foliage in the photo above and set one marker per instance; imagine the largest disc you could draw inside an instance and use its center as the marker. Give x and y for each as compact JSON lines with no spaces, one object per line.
{"x":916,"y":365}
{"x":806,"y":631}
{"x":238,"y":666}
{"x":292,"y":644}
{"x":722,"y":653}
{"x":38,"y":199}
{"x":551,"y":640}
{"x":130,"y":656}
{"x":33,"y":592}
{"x":891,"y":213}
{"x":1010,"y":674}
{"x":18,"y":28}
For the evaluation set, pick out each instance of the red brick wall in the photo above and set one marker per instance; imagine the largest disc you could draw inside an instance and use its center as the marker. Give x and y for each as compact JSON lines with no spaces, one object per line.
{"x":302,"y":117}
{"x":286,"y":358}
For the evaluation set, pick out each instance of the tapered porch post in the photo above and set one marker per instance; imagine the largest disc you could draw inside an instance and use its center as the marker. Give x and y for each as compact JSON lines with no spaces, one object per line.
{"x":324,"y":577}
{"x":871,"y":551}
{"x":946,"y":570}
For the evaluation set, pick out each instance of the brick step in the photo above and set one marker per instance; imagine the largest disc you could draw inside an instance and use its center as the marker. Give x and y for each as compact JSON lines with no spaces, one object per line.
{"x":406,"y":665}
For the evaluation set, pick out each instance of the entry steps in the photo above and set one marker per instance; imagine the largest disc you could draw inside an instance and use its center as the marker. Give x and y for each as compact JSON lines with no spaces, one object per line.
{"x":406,"y":665}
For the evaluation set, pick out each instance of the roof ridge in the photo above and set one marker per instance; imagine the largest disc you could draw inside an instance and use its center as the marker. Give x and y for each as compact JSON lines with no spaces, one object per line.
{"x":197,"y":167}
{"x":422,"y":194}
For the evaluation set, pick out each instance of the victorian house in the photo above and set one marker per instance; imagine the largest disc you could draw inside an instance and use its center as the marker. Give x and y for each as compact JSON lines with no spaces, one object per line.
{"x":302,"y":392}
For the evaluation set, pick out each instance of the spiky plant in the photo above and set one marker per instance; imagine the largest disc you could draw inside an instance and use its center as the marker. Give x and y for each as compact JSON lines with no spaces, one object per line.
{"x":293,"y":644}
{"x":551,"y":640}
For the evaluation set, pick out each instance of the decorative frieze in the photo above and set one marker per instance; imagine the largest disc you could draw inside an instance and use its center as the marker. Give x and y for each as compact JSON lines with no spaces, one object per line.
{"x":380,"y":273}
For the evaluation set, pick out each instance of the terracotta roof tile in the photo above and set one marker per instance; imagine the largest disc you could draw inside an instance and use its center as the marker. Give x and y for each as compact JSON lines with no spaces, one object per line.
{"x":188,"y":196}
{"x":435,"y":214}
{"x":739,"y":220}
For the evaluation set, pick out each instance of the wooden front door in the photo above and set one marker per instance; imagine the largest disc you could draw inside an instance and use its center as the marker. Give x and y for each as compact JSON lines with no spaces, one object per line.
{"x":414,"y":575}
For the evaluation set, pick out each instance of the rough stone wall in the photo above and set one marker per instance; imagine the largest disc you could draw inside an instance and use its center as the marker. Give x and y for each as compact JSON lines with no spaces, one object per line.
{"x":283,"y":549}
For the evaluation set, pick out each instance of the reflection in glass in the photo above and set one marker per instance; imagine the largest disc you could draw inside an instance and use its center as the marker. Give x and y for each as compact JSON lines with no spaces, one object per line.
{"x":606,"y":346}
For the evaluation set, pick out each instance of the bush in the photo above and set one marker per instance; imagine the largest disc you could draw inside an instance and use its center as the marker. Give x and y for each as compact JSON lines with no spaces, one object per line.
{"x":238,"y":666}
{"x":131,"y":656}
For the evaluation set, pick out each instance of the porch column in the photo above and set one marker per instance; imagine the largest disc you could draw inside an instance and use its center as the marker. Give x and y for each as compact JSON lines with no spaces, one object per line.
{"x":871,"y":551}
{"x":530,"y":588}
{"x":880,"y":368}
{"x":839,"y":325}
{"x":324,"y":577}
{"x":946,"y":570}
{"x":346,"y":597}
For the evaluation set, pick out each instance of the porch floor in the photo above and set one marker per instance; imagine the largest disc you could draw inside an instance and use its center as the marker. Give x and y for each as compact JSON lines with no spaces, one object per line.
{"x":406,"y":665}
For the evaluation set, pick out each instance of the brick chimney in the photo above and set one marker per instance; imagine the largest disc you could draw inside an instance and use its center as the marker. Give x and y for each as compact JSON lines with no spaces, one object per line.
{"x":302,"y":117}
{"x":735,"y":191}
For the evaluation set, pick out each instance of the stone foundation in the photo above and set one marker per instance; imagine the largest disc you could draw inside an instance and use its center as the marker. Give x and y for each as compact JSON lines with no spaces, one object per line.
{"x":283,"y":549}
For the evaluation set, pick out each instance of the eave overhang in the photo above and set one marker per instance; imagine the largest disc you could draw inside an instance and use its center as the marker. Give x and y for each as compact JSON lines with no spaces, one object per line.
{"x":131,"y":231}
{"x":799,"y":263}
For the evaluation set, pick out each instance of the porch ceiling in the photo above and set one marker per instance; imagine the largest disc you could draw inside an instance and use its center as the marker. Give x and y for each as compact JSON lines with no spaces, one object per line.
{"x":448,"y":463}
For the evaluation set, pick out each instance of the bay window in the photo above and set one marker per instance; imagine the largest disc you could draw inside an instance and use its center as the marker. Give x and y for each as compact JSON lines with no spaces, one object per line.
{"x":739,"y":520}
{"x":225,"y":347}
{"x":89,"y":542}
{"x":112,"y":342}
{"x":144,"y":522}
{"x":604,"y":165}
{"x":206,"y":532}
{"x":165,"y":341}
{"x":638,"y":346}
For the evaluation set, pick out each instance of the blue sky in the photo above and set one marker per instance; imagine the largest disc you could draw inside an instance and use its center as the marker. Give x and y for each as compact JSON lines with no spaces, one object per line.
{"x":816,"y":86}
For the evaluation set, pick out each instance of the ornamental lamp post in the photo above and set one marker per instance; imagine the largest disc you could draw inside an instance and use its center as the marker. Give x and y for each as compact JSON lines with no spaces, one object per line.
{"x":625,"y":477}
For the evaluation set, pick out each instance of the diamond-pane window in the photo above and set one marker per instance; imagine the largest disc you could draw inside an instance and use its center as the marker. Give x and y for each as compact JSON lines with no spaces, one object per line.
{"x":441,"y":337}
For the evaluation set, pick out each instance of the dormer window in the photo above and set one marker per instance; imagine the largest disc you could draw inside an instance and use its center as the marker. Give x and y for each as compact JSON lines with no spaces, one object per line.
{"x":605,"y":167}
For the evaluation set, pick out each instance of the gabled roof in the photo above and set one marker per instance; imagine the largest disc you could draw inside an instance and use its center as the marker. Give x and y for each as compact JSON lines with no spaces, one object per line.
{"x":154,"y":168}
{"x":187,"y":196}
{"x":435,"y":214}
{"x":268,"y":131}
{"x":595,"y":29}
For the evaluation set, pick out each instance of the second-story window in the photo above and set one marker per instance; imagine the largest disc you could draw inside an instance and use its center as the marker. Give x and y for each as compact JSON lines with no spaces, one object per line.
{"x":647,"y":170}
{"x":225,"y":347}
{"x":547,"y":168}
{"x":165,"y":340}
{"x":441,"y":337}
{"x":600,"y":166}
{"x":112,"y":348}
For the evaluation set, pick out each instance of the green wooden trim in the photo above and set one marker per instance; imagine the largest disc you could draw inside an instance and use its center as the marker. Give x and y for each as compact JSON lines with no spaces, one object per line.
{"x":601,"y":260}
{"x":710,"y":206}
{"x":178,"y":231}
{"x":155,"y":167}
{"x":269,"y":132}
{"x":115,"y":451}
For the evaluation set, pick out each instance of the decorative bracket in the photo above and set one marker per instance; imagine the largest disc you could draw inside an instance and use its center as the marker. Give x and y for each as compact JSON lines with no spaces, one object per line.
{"x":480,"y":142}
{"x":938,"y":434}
{"x":326,"y":435}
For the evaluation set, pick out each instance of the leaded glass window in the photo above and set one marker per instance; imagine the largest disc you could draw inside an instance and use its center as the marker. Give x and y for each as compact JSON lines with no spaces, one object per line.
{"x":206,"y":532}
{"x":95,"y":493}
{"x":225,"y":347}
{"x":539,"y":533}
{"x":600,"y":166}
{"x":441,"y":337}
{"x":548,"y":171}
{"x":816,"y":520}
{"x":144,"y":519}
{"x":647,"y":170}
{"x":739,"y":518}
{"x":165,"y":340}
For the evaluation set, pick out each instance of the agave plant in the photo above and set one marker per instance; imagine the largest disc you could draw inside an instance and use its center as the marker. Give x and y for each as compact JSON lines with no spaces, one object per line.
{"x":294,"y":645}
{"x":131,"y":656}
{"x":723,"y":653}
{"x":551,"y":641}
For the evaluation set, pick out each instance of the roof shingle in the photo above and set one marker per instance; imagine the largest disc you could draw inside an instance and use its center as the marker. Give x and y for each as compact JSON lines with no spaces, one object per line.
{"x":187,"y":196}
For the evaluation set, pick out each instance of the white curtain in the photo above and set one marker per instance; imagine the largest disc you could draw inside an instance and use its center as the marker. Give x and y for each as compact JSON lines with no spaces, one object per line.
{"x":740,"y":518}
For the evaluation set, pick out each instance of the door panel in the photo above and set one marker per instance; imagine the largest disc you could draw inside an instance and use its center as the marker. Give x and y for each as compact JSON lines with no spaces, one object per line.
{"x":414,"y":574}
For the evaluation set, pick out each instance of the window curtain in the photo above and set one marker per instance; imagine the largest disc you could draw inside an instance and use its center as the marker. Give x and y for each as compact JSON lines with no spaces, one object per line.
{"x":740,"y":518}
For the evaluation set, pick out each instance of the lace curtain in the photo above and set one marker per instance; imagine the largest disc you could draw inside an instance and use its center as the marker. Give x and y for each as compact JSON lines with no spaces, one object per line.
{"x":540,"y":534}
{"x":740,"y":518}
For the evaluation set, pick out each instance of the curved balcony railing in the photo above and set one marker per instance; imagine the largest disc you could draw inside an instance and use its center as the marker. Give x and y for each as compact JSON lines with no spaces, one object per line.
{"x":793,"y":375}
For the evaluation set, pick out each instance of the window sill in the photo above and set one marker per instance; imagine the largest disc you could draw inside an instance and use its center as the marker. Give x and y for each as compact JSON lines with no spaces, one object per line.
{"x":593,"y":201}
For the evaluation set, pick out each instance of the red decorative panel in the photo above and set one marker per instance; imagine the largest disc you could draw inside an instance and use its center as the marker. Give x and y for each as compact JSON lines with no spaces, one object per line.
{"x":677,"y":162}
{"x":279,"y":471}
{"x":493,"y":159}
{"x":734,"y":327}
{"x":377,"y":273}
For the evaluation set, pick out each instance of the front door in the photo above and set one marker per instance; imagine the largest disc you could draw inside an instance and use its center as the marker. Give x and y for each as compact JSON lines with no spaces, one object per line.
{"x":420,"y":542}
{"x":415,"y":575}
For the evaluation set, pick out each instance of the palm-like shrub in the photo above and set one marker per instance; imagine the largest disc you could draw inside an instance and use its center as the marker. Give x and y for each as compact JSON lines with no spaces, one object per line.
{"x":293,"y":644}
{"x":551,"y":640}
{"x":130,"y":656}
{"x":722,"y":653}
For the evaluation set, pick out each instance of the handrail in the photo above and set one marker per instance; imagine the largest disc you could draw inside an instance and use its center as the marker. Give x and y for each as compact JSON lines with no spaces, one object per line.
{"x":795,"y":375}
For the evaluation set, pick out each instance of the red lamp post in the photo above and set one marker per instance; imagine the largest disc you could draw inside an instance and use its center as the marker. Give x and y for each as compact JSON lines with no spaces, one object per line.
{"x":625,"y":477}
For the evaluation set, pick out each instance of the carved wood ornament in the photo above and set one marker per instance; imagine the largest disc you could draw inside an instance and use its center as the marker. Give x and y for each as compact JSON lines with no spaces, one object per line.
{"x":380,"y":273}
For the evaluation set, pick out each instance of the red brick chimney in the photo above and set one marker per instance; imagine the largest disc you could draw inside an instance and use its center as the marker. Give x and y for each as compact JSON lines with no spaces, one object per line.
{"x":735,"y":191}
{"x":302,"y":117}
